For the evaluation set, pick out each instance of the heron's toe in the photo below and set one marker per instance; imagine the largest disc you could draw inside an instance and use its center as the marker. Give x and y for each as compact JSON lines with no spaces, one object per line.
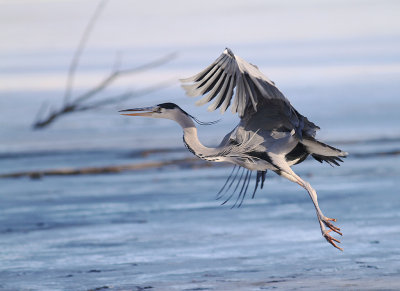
{"x":331,"y":239}
{"x":328,"y":224}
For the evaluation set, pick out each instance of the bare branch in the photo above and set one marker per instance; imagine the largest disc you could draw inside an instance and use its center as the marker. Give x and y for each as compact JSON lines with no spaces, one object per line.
{"x":119,"y":73}
{"x":81,"y":46}
{"x":41,"y":111}
{"x":78,"y":106}
{"x":79,"y":103}
{"x":53,"y":115}
{"x":125,"y":96}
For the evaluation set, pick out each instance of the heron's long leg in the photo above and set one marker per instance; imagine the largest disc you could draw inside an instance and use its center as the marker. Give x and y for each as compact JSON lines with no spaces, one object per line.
{"x":323,"y":220}
{"x":286,"y":172}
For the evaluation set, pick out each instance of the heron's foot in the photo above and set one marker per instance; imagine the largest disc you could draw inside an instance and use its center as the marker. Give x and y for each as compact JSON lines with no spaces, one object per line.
{"x":331,"y":239}
{"x":327,"y":223}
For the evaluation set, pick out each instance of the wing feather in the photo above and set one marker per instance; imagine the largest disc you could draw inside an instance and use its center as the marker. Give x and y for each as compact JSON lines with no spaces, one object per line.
{"x":240,"y":96}
{"x":211,"y":81}
{"x":222,"y":95}
{"x":251,"y":90}
{"x":231,"y":81}
{"x":202,"y":74}
{"x":226,"y":90}
{"x":213,"y":89}
{"x":227,"y":101}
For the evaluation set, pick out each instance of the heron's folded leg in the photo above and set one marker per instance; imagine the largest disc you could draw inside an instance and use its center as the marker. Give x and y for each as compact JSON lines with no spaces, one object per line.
{"x":324,"y":221}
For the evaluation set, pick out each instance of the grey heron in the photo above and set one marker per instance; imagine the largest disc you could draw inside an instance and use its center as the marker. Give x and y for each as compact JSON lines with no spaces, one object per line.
{"x":271,"y":135}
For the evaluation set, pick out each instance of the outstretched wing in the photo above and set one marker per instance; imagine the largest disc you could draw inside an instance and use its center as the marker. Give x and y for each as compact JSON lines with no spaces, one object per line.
{"x":230,"y":78}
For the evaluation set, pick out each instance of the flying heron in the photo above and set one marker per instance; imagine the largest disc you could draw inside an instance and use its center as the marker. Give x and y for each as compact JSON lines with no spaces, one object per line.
{"x":271,"y":135}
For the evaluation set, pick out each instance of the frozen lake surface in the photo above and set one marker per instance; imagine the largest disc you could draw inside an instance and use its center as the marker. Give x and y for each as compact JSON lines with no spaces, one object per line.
{"x":162,"y":229}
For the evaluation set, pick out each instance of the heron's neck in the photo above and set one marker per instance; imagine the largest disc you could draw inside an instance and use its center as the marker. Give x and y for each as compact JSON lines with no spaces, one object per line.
{"x":191,"y":139}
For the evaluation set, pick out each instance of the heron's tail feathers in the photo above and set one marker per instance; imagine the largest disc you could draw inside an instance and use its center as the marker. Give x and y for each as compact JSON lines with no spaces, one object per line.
{"x":323,"y":152}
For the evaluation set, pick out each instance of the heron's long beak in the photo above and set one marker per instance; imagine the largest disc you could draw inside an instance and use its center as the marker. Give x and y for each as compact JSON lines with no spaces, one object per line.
{"x":148,"y":111}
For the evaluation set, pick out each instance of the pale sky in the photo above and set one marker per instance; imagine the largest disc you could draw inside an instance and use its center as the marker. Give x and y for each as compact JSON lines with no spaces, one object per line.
{"x":30,"y":25}
{"x":287,"y":38}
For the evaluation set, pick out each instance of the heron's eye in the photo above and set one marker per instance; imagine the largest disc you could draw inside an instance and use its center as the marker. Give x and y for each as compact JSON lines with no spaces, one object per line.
{"x":157,"y":110}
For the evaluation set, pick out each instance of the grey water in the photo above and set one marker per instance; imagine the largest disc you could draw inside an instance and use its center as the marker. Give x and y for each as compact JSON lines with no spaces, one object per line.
{"x":163,"y":229}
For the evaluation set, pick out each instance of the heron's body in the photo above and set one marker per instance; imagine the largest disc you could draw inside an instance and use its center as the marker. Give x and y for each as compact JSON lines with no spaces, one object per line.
{"x":271,"y":134}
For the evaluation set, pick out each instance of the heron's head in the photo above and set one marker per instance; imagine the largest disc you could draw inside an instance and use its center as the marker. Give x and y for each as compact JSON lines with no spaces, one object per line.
{"x":164,"y":110}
